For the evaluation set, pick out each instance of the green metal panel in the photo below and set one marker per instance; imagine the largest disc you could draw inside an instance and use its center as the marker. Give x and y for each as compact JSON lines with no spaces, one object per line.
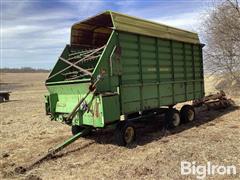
{"x":104,"y":65}
{"x":111,"y":108}
{"x":158,"y":72}
{"x":63,"y":98}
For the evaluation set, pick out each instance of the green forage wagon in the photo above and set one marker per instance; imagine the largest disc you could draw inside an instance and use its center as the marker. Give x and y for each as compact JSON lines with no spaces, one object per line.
{"x":118,"y":68}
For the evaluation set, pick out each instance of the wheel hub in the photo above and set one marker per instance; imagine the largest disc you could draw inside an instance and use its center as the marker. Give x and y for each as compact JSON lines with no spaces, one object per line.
{"x":176,"y":119}
{"x":129,"y":135}
{"x":190,"y":115}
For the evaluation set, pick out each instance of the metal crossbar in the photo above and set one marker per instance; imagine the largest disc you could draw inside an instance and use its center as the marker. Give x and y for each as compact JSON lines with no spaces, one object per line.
{"x":81,"y":52}
{"x":86,"y":57}
{"x":77,"y":67}
{"x":77,"y":57}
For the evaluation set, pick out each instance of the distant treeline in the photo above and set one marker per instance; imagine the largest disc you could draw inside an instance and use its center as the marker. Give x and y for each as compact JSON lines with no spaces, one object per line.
{"x":23,"y":70}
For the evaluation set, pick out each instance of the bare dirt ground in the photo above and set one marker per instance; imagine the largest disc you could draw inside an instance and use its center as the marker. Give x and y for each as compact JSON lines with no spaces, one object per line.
{"x":27,"y":134}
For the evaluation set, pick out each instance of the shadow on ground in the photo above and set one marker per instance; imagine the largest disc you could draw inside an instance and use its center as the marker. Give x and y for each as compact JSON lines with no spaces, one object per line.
{"x":152,"y":129}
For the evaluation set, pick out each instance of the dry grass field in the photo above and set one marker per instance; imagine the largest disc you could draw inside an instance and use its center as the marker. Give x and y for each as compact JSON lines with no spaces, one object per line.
{"x":26,"y":134}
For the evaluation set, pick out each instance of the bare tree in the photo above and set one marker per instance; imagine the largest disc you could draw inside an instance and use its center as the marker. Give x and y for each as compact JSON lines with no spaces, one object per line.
{"x":222,"y":35}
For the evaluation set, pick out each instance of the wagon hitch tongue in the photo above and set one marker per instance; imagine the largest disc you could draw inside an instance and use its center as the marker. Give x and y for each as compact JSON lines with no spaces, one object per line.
{"x":51,"y":152}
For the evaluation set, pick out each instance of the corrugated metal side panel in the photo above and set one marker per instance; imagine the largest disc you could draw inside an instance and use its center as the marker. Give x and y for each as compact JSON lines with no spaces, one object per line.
{"x":130,"y":96}
{"x":158,"y":72}
{"x":139,"y":26}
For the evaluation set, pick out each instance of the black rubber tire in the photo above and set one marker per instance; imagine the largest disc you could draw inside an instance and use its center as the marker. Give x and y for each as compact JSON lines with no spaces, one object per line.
{"x":172,"y":118}
{"x":7,"y":97}
{"x":76,"y":129}
{"x":184,"y":114}
{"x":1,"y":99}
{"x":120,"y":132}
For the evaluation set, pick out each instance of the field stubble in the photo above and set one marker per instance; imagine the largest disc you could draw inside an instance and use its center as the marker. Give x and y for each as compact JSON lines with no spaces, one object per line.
{"x":26,"y":134}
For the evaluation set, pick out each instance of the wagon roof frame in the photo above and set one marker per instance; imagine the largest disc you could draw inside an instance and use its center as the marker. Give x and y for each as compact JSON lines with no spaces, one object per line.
{"x":126,"y":23}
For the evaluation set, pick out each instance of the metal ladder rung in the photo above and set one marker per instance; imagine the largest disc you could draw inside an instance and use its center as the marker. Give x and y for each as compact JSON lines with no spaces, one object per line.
{"x":81,"y":56}
{"x":71,"y":73}
{"x":83,"y":52}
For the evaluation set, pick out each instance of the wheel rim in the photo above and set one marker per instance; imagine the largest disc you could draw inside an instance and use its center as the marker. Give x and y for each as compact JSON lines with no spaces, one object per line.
{"x":176,"y":119}
{"x":190,"y":115}
{"x":129,"y":135}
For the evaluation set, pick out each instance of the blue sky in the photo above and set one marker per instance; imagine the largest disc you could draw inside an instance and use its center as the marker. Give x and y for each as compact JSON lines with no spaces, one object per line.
{"x":34,"y":32}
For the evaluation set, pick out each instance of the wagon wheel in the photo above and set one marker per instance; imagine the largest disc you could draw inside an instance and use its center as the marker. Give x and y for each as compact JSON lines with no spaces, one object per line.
{"x":187,"y":113}
{"x":7,"y":97}
{"x":1,"y":99}
{"x":125,"y":133}
{"x":172,"y":118}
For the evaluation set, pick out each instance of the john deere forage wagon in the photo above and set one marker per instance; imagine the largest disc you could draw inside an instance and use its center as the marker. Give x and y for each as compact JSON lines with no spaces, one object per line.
{"x":118,"y":68}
